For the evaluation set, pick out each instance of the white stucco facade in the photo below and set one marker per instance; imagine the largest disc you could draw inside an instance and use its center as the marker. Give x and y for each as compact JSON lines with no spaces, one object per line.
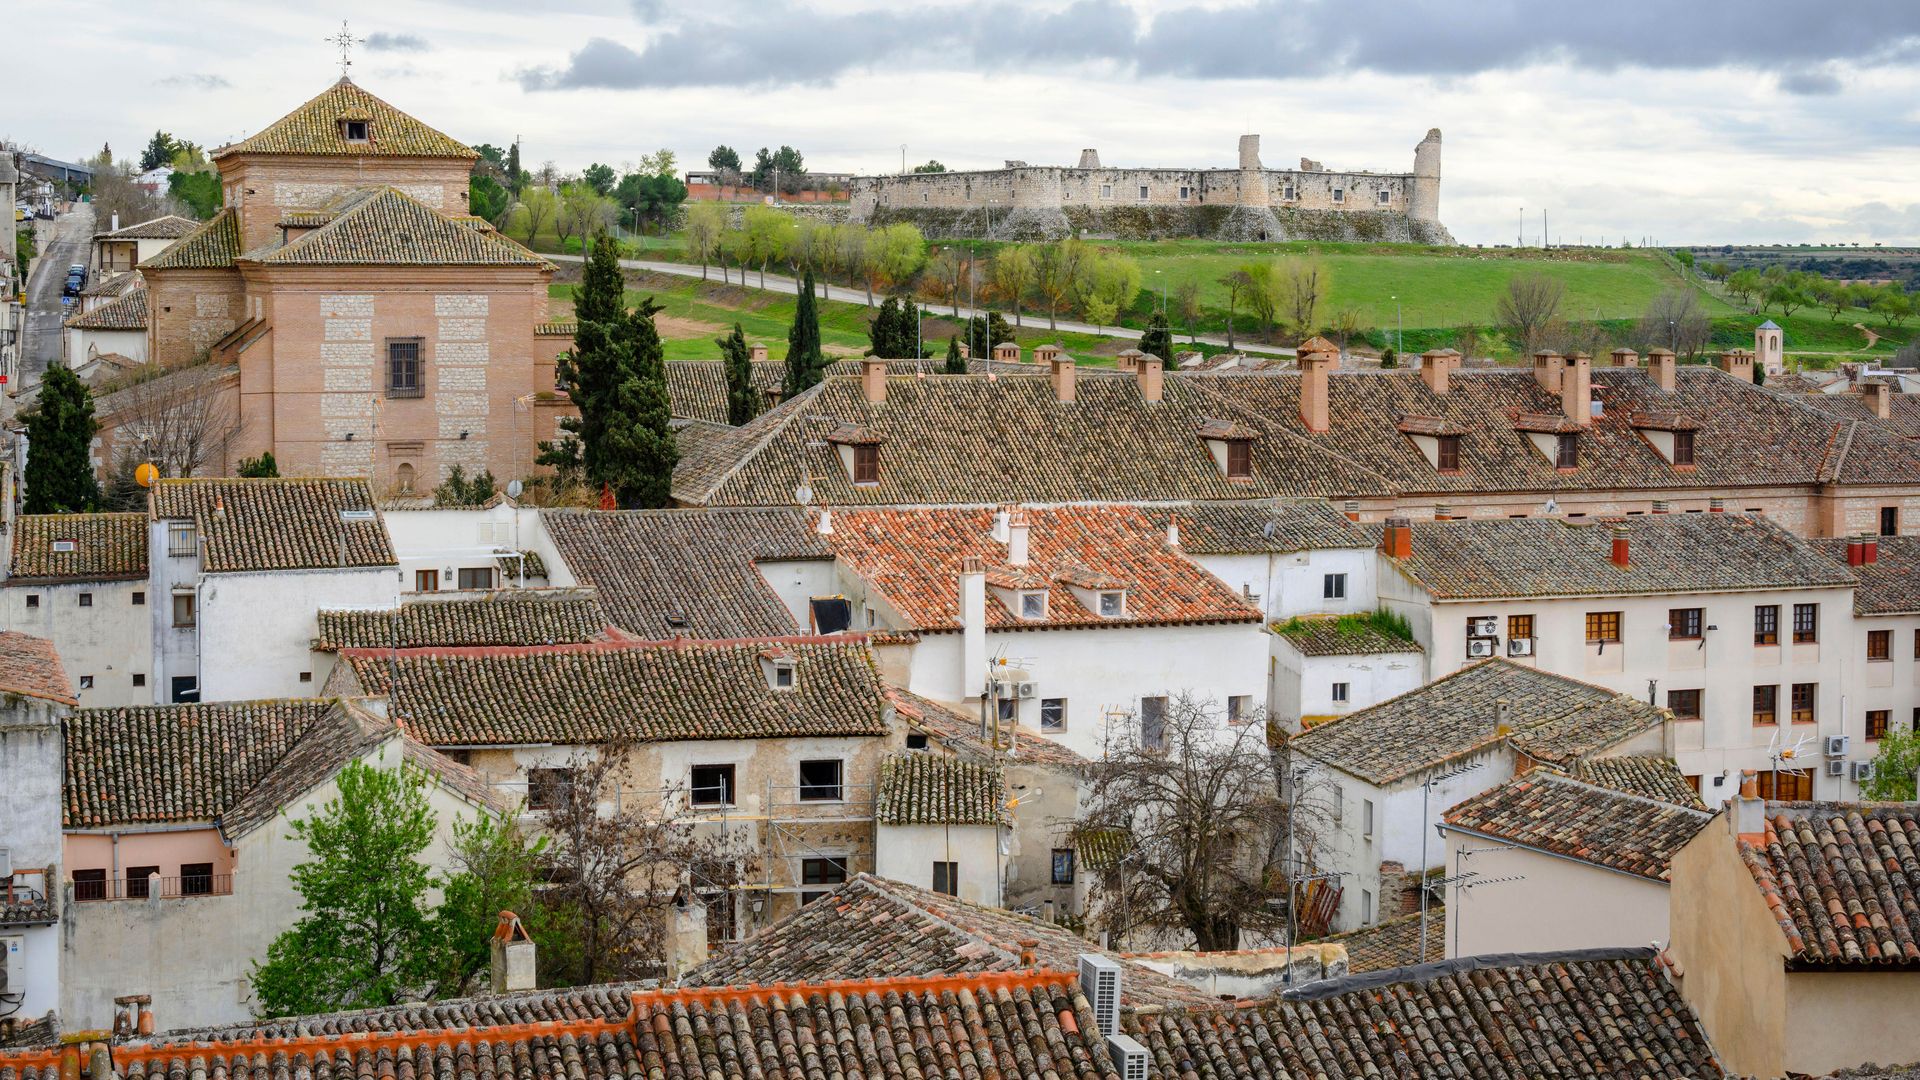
{"x":30,"y":809}
{"x":256,"y":630}
{"x":100,"y":629}
{"x":1558,"y":903}
{"x":1322,"y":687}
{"x":435,"y":545}
{"x":1295,"y":583}
{"x":908,"y":853}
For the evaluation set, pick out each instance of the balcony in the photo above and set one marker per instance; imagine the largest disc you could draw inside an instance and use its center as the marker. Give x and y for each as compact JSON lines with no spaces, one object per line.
{"x":169,"y":888}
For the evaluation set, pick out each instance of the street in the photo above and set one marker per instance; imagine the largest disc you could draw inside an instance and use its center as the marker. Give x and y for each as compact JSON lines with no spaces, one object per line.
{"x":63,"y":242}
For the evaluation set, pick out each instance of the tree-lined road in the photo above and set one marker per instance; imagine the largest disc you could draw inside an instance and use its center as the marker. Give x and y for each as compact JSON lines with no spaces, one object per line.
{"x":63,"y":242}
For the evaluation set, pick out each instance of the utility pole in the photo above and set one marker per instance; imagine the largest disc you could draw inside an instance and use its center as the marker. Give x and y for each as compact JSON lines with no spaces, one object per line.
{"x":903,"y":159}
{"x":1522,"y":242}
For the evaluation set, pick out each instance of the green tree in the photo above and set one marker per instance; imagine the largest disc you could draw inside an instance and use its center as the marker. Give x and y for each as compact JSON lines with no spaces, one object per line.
{"x":1013,"y":275}
{"x":743,"y":401}
{"x":956,"y":363}
{"x":601,"y":297}
{"x":1058,"y":270}
{"x":640,"y":452}
{"x":986,"y":331}
{"x":932,"y":166}
{"x":724,"y":159}
{"x":1158,"y":340}
{"x":260,"y":468}
{"x":160,"y":150}
{"x":659,"y":194}
{"x":599,"y":177}
{"x":1684,"y":258}
{"x":706,"y":222}
{"x":658,"y":163}
{"x":536,"y":209}
{"x":1894,"y":766}
{"x":367,"y":938}
{"x":486,"y":198}
{"x":199,"y":191}
{"x":766,"y":234}
{"x":1744,"y":285}
{"x":805,"y":364}
{"x":458,"y":489}
{"x":516,"y":176}
{"x":1893,"y":305}
{"x":60,"y":429}
{"x":493,"y":867}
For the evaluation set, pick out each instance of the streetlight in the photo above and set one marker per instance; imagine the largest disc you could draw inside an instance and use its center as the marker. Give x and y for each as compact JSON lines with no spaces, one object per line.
{"x":1426,"y":796}
{"x":1399,"y":330}
{"x":1163,"y":292}
{"x":1523,"y":227}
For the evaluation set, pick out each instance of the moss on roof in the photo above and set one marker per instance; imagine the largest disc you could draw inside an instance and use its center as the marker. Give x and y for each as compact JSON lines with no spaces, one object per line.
{"x":314,"y":128}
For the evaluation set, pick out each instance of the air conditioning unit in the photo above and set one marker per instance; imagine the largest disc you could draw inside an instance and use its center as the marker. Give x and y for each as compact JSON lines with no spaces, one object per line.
{"x":1129,"y":1057}
{"x":1489,"y":627}
{"x":1479,"y":647}
{"x":13,"y":965}
{"x":1520,"y":646}
{"x":1836,"y":745}
{"x":1862,"y":771}
{"x":1100,"y":982}
{"x":1836,"y":767}
{"x":1026,"y":688}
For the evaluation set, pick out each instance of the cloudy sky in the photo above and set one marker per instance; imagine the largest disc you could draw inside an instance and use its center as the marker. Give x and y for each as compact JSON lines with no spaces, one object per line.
{"x":1697,"y":121}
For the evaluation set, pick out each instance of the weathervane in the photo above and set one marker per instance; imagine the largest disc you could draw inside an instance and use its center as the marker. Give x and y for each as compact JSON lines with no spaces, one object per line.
{"x":345,"y":41}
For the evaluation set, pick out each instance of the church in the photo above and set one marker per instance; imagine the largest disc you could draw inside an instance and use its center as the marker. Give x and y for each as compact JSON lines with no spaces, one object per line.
{"x":361,"y":321}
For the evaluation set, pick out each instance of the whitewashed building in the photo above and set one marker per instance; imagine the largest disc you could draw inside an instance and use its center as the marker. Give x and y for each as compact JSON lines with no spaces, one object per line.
{"x":80,"y":581}
{"x":500,"y":545}
{"x":35,"y":701}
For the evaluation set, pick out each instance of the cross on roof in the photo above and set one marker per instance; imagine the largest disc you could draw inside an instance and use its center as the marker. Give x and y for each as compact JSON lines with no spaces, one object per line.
{"x":345,"y":41}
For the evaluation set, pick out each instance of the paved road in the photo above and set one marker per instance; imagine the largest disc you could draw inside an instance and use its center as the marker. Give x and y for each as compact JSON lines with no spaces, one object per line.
{"x":63,"y":242}
{"x":777,"y":283}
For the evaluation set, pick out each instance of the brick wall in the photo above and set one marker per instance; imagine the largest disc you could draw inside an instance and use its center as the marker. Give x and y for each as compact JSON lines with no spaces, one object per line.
{"x":263,"y":186}
{"x":189,"y":310}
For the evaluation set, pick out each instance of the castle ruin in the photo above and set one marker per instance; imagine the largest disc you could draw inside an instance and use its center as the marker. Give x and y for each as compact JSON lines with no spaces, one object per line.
{"x":1251,"y":202}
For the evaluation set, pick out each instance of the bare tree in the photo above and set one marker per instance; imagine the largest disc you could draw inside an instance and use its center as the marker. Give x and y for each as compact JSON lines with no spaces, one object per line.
{"x":945,"y":274}
{"x":1300,"y":284}
{"x":1466,"y":338}
{"x":1673,"y":320}
{"x":183,"y":421}
{"x":1197,"y":803}
{"x":1186,"y":301}
{"x":1237,"y":285}
{"x":1528,"y":308}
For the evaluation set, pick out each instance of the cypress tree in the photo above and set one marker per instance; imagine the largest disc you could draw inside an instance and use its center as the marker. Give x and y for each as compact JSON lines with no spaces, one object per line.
{"x":883,"y":331}
{"x":602,"y":294}
{"x":956,"y":364}
{"x":805,"y":364}
{"x":1158,"y":340}
{"x":59,"y":475}
{"x":639,"y":452}
{"x":743,"y":402}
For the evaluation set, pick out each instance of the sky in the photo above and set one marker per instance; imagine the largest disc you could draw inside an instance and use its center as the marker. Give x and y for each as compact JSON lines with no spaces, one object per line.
{"x":1679,"y":121}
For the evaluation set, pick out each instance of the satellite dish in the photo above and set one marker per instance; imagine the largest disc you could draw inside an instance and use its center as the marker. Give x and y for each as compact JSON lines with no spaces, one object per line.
{"x":514,"y":488}
{"x":146,"y":474}
{"x":1552,"y":507}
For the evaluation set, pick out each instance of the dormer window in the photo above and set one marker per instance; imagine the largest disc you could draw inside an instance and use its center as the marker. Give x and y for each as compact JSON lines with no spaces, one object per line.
{"x":353,"y":130}
{"x":859,"y":450}
{"x":1683,"y":448}
{"x":866,"y":464}
{"x":1449,"y":454}
{"x":783,"y":674}
{"x":62,"y":547}
{"x":1566,"y":454}
{"x":1033,"y":605}
{"x":1671,"y":434}
{"x":776,"y":664}
{"x":1239,"y":459}
{"x":1231,"y":445}
{"x":1113,"y":604}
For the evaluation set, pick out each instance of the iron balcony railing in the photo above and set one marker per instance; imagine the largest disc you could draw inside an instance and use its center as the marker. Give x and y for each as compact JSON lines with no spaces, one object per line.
{"x":141,"y":888}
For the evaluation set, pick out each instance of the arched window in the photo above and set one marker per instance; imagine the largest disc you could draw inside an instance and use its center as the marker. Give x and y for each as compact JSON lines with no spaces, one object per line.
{"x":403,"y":478}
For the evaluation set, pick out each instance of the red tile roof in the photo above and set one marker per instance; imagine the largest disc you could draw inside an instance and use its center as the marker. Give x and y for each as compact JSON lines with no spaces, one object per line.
{"x":30,"y":667}
{"x":1842,"y":880}
{"x":1562,"y":816}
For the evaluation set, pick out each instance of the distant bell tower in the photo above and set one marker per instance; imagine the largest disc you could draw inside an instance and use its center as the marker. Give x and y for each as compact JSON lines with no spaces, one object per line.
{"x":1769,"y":351}
{"x":1423,"y":201}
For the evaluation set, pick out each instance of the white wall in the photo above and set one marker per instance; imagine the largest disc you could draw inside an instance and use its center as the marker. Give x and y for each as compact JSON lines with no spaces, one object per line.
{"x":30,"y":780}
{"x":108,"y":641}
{"x":256,"y":630}
{"x":81,"y":345}
{"x":907,"y":853}
{"x":447,"y":540}
{"x":1892,"y":684}
{"x":1303,"y":685}
{"x":796,"y":581}
{"x":1293,"y":583}
{"x":1560,"y":903}
{"x":176,"y":650}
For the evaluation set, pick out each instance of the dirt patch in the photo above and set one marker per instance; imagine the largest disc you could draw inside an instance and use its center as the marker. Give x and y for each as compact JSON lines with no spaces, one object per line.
{"x":675,"y":327}
{"x":1872,"y":338}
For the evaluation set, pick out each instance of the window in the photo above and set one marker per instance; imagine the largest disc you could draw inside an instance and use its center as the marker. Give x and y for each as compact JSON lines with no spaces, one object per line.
{"x":1053,"y":714}
{"x":1112,"y":605}
{"x":62,"y":547}
{"x":355,"y":130}
{"x":1186,"y":192}
{"x":403,"y":367}
{"x":548,"y":789}
{"x":1153,"y":723}
{"x":180,"y":539}
{"x":1877,"y":722}
{"x":823,"y":871}
{"x":183,"y":609}
{"x":476,"y":577}
{"x":1766,"y":702}
{"x":866,"y":464}
{"x":946,"y":878}
{"x":86,"y":682}
{"x":1449,"y":461}
{"x":1033,"y":605}
{"x":1366,"y":817}
{"x":1106,"y":191}
{"x":426,"y":581}
{"x":711,"y":785}
{"x":306,"y":676}
{"x":1603,"y":627}
{"x":1802,"y":701}
{"x":1333,"y":587}
{"x":1143,"y":191}
{"x":1287,"y":192}
{"x":1009,"y":709}
{"x":1879,"y":644}
{"x":1062,"y":866}
{"x":1239,"y":459}
{"x":1366,"y":906}
{"x":182,"y":689}
{"x":1566,"y":453}
{"x":1683,"y":448}
{"x":1889,"y":521}
{"x":1683,"y":623}
{"x":1342,"y":692}
{"x":1766,"y":624}
{"x":89,"y":884}
{"x":139,"y":680}
{"x":1384,"y":197}
{"x":1806,"y":623}
{"x":1339,"y":195}
{"x":403,"y":478}
{"x":820,"y":780}
{"x":86,"y":599}
{"x":458,"y":757}
{"x":33,"y":600}
{"x":1684,"y":704}
{"x":916,"y":740}
{"x":1788,"y":785}
{"x":196,"y":879}
{"x":139,"y":599}
{"x":137,"y":881}
{"x":783,"y":674}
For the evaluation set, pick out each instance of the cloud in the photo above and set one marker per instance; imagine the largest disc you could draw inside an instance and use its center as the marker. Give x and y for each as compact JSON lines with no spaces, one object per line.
{"x":197,"y":82}
{"x":382,"y":42}
{"x":1810,"y":83}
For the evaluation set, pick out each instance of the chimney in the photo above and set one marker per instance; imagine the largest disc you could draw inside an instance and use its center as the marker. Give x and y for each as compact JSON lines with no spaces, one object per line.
{"x":513,"y":956}
{"x":1434,"y":366}
{"x":873,"y":380}
{"x":1017,"y":530}
{"x":1173,"y":531}
{"x":1047,"y":354}
{"x":1027,"y":947}
{"x":973,"y":626}
{"x":1869,"y":549}
{"x":1063,"y":388}
{"x":1738,"y":363}
{"x":686,"y":935}
{"x":1620,"y":547}
{"x":1749,"y":815}
{"x":1546,"y":371}
{"x":825,"y":526}
{"x":1149,"y":377}
{"x":1128,"y":360}
{"x":1660,"y":366}
{"x":1000,"y":519}
{"x":1856,"y":550}
{"x":1353,"y":510}
{"x":1879,"y":398}
{"x":1397,"y":538}
{"x":1502,"y":718}
{"x":966,"y":351}
{"x":759,"y":354}
{"x":1317,"y":356}
{"x":115,"y":226}
{"x":1576,"y":388}
{"x":1007,"y":352}
{"x":1624,"y":357}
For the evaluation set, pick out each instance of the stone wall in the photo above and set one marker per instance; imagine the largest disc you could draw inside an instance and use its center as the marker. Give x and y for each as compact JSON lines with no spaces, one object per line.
{"x":1212,"y":222}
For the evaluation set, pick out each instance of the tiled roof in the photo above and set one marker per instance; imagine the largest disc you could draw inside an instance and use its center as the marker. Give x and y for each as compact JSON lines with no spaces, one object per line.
{"x":961,"y":734}
{"x":874,"y":928}
{"x":46,"y":1030}
{"x":129,"y":312}
{"x":686,"y":573}
{"x":697,"y":389}
{"x":279,"y":524}
{"x":387,"y":227}
{"x":314,"y":128}
{"x":1553,"y":718}
{"x":1667,"y":553}
{"x":556,"y":328}
{"x":183,"y":383}
{"x":106,"y":547}
{"x":1903,"y":410}
{"x":595,"y":693}
{"x":170,"y":227}
{"x":177,"y":763}
{"x":338,"y":736}
{"x":28,"y":906}
{"x":1394,"y":943}
{"x":1890,"y":584}
{"x":912,"y":559}
{"x":1841,"y":880}
{"x":983,"y":439}
{"x":1552,"y":813}
{"x":1334,"y":636}
{"x":29,"y":666}
{"x":499,"y":617}
{"x":1748,"y":436}
{"x":1275,"y":526}
{"x":214,"y":245}
{"x":934,"y":789}
{"x":112,"y":284}
{"x":1640,"y":774}
{"x":602,"y":1001}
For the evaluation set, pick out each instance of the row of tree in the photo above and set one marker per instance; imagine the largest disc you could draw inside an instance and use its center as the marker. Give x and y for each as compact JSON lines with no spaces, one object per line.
{"x":1776,"y":287}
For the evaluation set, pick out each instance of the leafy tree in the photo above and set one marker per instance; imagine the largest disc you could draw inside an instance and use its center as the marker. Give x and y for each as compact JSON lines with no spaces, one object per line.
{"x":260,"y":468}
{"x":160,"y":150}
{"x":1057,"y":273}
{"x":460,"y":490}
{"x":1186,"y":301}
{"x":1389,"y":358}
{"x":601,"y":297}
{"x":367,"y":938}
{"x":1110,"y":286}
{"x":60,"y":429}
{"x":884,"y":332}
{"x":1788,"y":297}
{"x":516,"y":176}
{"x":199,"y":191}
{"x":705,"y":223}
{"x":493,"y":866}
{"x":583,"y":212}
{"x":1684,"y":258}
{"x":805,"y":364}
{"x":654,"y":196}
{"x":658,"y":163}
{"x":743,"y":401}
{"x":786,"y":162}
{"x":599,"y":177}
{"x":724,"y":159}
{"x":956,"y":363}
{"x":1260,"y":294}
{"x":1529,"y":308}
{"x":931,"y":166}
{"x":1014,"y":274}
{"x":1892,"y":305}
{"x":1158,"y":340}
{"x":640,"y":450}
{"x":1744,"y":285}
{"x":1894,"y":768}
{"x":766,"y":234}
{"x":986,"y":331}
{"x":486,"y":198}
{"x":491,"y":157}
{"x":536,"y":210}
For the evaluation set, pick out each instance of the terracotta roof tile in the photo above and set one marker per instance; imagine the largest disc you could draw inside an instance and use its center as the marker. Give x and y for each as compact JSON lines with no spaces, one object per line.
{"x":169,"y":227}
{"x":499,"y":617}
{"x":1335,"y":636}
{"x":29,"y":666}
{"x":1845,"y":877}
{"x":1262,"y":527}
{"x":129,"y":312}
{"x":1393,"y":943}
{"x":1553,"y":813}
{"x":98,"y":547}
{"x":1890,"y":584}
{"x":697,"y":389}
{"x":388,"y":227}
{"x":314,"y":128}
{"x":212,"y":246}
{"x":960,"y":734}
{"x":1640,"y":774}
{"x":934,"y":789}
{"x":280,"y":524}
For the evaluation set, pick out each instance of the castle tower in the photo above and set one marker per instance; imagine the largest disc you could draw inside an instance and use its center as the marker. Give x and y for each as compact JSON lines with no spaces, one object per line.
{"x":1253,"y":178}
{"x":1768,"y":350}
{"x":1423,"y":202}
{"x":1089,"y":159}
{"x":1249,"y":151}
